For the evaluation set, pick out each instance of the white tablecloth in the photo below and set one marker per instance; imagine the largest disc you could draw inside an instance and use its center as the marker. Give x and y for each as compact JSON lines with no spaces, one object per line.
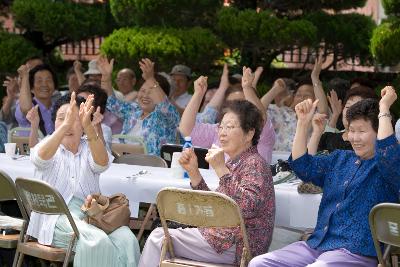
{"x":293,"y":210}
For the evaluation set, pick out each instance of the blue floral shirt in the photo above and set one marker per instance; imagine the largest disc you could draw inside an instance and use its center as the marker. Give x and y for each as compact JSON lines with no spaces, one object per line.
{"x":158,"y":128}
{"x":351,"y":188}
{"x":209,"y":115}
{"x":3,"y":136}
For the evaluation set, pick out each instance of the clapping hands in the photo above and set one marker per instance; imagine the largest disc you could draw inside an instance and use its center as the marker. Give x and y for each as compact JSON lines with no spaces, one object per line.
{"x":85,"y":112}
{"x":33,"y":117}
{"x":248,"y":77}
{"x":305,"y":110}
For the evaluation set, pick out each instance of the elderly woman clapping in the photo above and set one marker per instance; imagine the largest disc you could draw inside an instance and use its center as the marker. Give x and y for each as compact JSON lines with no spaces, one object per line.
{"x":246,"y":178}
{"x":72,"y":165}
{"x":153,"y":117}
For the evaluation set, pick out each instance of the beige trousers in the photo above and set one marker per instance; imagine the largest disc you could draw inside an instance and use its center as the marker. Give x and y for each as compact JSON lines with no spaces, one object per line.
{"x":188,"y":243}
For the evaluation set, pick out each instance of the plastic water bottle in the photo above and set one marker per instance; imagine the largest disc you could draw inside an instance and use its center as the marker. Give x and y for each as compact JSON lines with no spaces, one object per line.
{"x":188,"y":143}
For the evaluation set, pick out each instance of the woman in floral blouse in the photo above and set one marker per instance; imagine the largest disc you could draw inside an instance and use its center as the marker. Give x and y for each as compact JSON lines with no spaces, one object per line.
{"x":283,"y":118}
{"x":153,"y":117}
{"x":246,"y":178}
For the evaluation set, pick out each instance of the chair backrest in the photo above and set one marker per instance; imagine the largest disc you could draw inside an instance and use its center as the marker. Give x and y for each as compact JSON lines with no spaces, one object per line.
{"x":200,"y":209}
{"x":8,"y":191}
{"x":20,"y":136}
{"x":136,"y":145}
{"x":384,"y":221}
{"x":141,"y":159}
{"x":43,"y":198}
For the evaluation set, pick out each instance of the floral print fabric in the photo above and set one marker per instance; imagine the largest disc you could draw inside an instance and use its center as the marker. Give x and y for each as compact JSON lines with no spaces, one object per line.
{"x":158,"y":128}
{"x":250,"y":185}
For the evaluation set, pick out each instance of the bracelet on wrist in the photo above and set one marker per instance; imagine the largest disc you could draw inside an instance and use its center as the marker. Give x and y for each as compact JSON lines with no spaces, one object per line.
{"x":385,"y":114}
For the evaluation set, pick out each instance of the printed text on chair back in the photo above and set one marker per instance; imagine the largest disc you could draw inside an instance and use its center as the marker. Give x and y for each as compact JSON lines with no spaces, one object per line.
{"x":42,"y":198}
{"x":198,"y":208}
{"x":386,"y":223}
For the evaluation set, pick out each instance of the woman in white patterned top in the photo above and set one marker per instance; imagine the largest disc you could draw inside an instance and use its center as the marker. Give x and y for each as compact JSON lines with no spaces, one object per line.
{"x":72,"y":165}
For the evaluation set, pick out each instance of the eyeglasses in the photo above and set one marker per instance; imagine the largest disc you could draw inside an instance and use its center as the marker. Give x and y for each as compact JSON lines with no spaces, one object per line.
{"x":227,"y":128}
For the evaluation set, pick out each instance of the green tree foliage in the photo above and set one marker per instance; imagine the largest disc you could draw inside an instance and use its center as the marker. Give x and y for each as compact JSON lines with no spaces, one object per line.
{"x":385,"y":45}
{"x":346,"y":35}
{"x":262,"y":34}
{"x":196,"y":47}
{"x":14,"y":50}
{"x":280,"y":25}
{"x":48,"y":24}
{"x":169,"y":13}
{"x":259,"y":29}
{"x":392,"y":7}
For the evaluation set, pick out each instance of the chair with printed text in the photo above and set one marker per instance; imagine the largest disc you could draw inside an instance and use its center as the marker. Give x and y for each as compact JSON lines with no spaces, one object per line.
{"x":42,"y":198}
{"x":384,"y":221}
{"x":199,"y":209}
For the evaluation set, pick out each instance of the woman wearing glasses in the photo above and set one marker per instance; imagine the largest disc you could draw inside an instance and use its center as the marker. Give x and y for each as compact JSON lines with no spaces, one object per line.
{"x":246,"y":178}
{"x":206,"y":134}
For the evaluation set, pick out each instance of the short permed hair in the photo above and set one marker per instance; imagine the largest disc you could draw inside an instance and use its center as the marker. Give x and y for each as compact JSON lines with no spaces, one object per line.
{"x":100,"y":96}
{"x":362,"y":91}
{"x":250,"y":117}
{"x":63,"y":101}
{"x":366,"y":109}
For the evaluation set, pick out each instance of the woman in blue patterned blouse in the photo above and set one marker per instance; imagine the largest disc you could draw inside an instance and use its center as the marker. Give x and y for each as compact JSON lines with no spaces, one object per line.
{"x":353,"y":182}
{"x":153,"y":117}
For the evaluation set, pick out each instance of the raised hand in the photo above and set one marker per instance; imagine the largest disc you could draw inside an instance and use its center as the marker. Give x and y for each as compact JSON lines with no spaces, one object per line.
{"x":317,"y":68}
{"x":78,"y":66}
{"x":215,"y":157}
{"x":147,"y":67}
{"x":257,"y":74}
{"x":188,"y":160}
{"x":33,"y":117}
{"x":85,"y":112}
{"x":259,"y":71}
{"x":305,"y":110}
{"x":72,"y":113}
{"x":388,"y":97}
{"x":200,"y":85}
{"x":97,"y":117}
{"x":336,"y":103}
{"x":23,"y":71}
{"x":104,"y":66}
{"x":248,"y":77}
{"x":224,"y":82}
{"x":279,"y":86}
{"x":11,"y":84}
{"x":319,"y":123}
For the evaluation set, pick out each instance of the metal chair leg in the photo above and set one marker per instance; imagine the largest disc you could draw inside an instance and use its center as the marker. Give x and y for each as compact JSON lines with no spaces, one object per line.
{"x":20,"y":259}
{"x":146,"y":219}
{"x":69,"y":251}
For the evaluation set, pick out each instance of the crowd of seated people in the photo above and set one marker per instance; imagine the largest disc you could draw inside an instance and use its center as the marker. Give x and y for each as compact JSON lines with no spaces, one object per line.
{"x":240,"y":129}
